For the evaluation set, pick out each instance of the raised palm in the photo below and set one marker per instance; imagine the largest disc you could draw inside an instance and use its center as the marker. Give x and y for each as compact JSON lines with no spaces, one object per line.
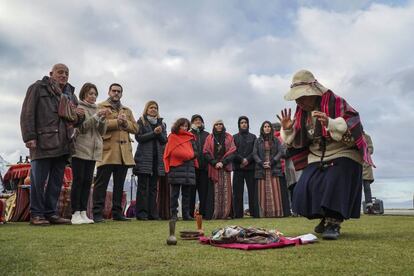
{"x":285,"y":120}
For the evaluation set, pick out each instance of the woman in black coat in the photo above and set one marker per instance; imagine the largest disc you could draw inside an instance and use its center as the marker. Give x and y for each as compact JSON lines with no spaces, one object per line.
{"x":149,"y":166}
{"x":180,"y":163}
{"x":273,"y":194}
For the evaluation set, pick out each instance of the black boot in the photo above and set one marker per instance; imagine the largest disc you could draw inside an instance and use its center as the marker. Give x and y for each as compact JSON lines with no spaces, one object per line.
{"x":320,"y":227}
{"x":331,"y":231}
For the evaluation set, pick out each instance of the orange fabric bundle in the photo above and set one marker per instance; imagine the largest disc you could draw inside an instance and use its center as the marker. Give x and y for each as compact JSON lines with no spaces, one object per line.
{"x":179,"y":149}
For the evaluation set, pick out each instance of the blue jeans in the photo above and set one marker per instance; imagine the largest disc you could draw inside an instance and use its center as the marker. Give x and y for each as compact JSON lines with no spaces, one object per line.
{"x":43,"y":200}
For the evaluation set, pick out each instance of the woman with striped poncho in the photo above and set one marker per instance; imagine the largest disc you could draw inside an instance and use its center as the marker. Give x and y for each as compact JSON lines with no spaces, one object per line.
{"x":328,"y":133}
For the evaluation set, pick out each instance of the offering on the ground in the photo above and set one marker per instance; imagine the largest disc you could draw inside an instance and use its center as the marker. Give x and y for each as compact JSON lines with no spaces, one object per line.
{"x":238,"y":234}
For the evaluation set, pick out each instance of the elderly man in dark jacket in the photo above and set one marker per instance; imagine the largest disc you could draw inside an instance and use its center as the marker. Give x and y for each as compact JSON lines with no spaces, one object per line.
{"x":197,"y":128}
{"x":47,"y":135}
{"x":244,"y":170}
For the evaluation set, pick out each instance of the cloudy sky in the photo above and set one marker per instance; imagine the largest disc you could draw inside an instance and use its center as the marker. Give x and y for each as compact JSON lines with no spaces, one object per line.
{"x":221,"y":59}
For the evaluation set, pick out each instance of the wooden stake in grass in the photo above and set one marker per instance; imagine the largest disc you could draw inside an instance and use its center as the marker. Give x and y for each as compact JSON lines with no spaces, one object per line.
{"x":172,"y":240}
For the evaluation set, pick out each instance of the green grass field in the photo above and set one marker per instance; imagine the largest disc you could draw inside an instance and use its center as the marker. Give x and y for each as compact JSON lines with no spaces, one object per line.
{"x":372,"y":245}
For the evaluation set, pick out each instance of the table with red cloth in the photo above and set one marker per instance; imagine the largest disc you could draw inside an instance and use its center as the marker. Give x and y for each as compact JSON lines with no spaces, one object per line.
{"x":18,"y":178}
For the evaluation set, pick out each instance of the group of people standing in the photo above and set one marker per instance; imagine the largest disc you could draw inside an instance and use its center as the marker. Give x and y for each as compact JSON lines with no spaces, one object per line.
{"x":198,"y":161}
{"x":324,"y":141}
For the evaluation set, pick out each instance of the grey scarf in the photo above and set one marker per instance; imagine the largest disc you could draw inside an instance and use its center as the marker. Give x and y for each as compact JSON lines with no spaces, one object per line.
{"x":152,"y":120}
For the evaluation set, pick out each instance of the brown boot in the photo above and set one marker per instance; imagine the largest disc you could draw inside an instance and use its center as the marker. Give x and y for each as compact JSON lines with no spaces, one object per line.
{"x":38,"y":221}
{"x":58,"y":220}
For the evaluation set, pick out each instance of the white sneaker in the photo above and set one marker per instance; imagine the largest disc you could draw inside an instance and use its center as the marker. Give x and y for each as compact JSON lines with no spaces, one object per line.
{"x":76,"y":218}
{"x":85,"y":218}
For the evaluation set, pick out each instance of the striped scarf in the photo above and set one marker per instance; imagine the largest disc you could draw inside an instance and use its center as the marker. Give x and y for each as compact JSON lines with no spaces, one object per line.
{"x":334,"y":107}
{"x":115,"y":105}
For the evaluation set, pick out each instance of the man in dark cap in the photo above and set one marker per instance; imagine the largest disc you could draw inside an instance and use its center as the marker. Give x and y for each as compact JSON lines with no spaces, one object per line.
{"x":243,"y":170}
{"x":197,"y":128}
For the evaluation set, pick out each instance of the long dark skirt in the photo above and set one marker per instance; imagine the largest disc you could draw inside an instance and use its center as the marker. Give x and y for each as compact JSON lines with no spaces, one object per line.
{"x":273,"y":196}
{"x":163,"y":198}
{"x":219,"y":197}
{"x":335,"y":189}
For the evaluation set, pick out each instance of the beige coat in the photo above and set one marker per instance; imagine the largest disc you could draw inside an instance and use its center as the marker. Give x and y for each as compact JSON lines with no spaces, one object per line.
{"x":88,"y":141}
{"x":117,"y":148}
{"x":367,"y":173}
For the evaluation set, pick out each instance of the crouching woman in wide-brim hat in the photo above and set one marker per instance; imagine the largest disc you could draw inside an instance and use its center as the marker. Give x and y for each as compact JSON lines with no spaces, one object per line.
{"x":326,"y":133}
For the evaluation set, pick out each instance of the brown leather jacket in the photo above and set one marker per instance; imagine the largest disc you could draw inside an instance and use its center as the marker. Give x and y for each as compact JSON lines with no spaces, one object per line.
{"x":39,"y":121}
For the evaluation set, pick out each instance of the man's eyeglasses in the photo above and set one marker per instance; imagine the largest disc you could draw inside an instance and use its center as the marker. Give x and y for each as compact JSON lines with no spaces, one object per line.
{"x":116,"y":91}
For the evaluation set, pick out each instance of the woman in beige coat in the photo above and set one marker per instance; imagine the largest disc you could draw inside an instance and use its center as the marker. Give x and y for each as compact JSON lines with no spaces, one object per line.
{"x":88,"y":150}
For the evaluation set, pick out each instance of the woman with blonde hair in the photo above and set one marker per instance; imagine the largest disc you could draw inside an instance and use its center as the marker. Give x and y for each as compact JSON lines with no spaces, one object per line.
{"x":149,"y":166}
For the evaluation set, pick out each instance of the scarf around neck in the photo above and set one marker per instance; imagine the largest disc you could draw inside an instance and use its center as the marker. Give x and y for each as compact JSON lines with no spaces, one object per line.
{"x":230,"y":148}
{"x":115,"y":105}
{"x":179,"y":149}
{"x":334,"y":107}
{"x":54,"y":86}
{"x":85,"y":103}
{"x":152,"y":120}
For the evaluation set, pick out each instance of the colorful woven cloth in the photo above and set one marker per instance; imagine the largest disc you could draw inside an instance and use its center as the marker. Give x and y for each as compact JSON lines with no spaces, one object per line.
{"x":250,"y":238}
{"x":333,"y":106}
{"x":21,"y":211}
{"x":283,"y":242}
{"x":2,"y":210}
{"x":64,"y":205}
{"x":17,"y":171}
{"x":238,"y":234}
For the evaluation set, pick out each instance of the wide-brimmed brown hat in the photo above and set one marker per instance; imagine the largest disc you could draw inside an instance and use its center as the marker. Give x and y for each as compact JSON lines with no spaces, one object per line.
{"x":304,"y":84}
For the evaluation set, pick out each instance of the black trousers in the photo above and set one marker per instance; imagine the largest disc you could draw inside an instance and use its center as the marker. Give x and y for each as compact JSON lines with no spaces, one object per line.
{"x":82,"y":171}
{"x":146,"y":206}
{"x":103,"y":174}
{"x":201,"y":188}
{"x":239,"y":177}
{"x":185,"y":199}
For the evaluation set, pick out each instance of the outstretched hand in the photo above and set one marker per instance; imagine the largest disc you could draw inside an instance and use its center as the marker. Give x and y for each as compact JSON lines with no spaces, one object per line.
{"x":285,"y":120}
